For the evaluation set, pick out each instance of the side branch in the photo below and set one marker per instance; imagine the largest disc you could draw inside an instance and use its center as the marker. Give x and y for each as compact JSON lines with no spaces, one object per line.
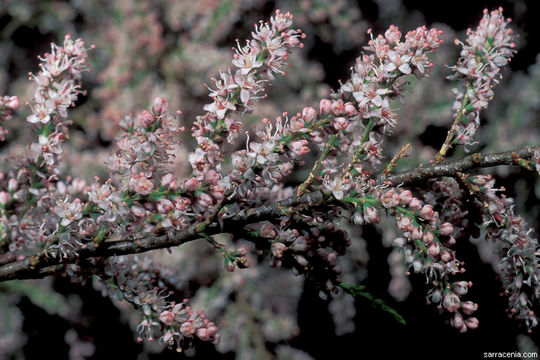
{"x":450,"y":168}
{"x":35,"y":267}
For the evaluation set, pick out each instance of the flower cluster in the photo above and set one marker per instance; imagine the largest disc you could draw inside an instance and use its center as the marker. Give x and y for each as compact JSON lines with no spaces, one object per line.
{"x":138,"y":281}
{"x":517,"y":250}
{"x":489,"y":48}
{"x":7,"y":105}
{"x":58,"y":88}
{"x":426,"y":244}
{"x":235,"y":91}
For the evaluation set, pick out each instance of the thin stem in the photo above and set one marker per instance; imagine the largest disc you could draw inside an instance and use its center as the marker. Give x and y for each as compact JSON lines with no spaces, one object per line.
{"x":360,"y":150}
{"x":317,"y":167}
{"x":393,"y":163}
{"x":451,"y":133}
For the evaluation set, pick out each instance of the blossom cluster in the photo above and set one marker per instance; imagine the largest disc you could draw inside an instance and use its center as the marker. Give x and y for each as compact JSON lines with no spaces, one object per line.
{"x":172,"y":323}
{"x":489,"y":48}
{"x":517,"y":250}
{"x":255,"y":63}
{"x":7,"y":105}
{"x":58,"y":86}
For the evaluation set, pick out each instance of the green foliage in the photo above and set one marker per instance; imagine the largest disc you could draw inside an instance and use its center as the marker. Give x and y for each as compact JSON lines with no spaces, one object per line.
{"x":359,"y":291}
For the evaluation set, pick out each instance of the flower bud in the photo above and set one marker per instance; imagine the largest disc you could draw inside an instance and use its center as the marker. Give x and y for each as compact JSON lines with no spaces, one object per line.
{"x":5,"y":198}
{"x":349,"y":109}
{"x":165,"y":206}
{"x":405,"y":197}
{"x":434,"y":250}
{"x":427,"y":238}
{"x":12,"y":184}
{"x":340,"y":123}
{"x":325,"y":106}
{"x":309,"y":114}
{"x":446,"y":229}
{"x":471,"y":323}
{"x":426,"y":212}
{"x":159,"y":106}
{"x":415,"y":203}
{"x":451,"y":302}
{"x":145,"y":119}
{"x":278,"y":248}
{"x":337,"y":107}
{"x":13,"y":103}
{"x":191,"y":184}
{"x":468,"y":307}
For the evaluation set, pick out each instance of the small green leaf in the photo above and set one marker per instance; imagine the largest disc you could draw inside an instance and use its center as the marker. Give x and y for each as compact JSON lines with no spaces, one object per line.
{"x":358,"y":291}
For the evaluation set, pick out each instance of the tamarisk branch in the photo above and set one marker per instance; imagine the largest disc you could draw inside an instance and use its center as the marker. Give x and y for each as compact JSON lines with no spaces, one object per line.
{"x":36,"y":267}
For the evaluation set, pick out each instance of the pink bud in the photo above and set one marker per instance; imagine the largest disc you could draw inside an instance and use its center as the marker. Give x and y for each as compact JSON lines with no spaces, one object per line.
{"x":204,"y":200}
{"x":416,"y":233}
{"x":427,"y":238}
{"x":340,"y":123}
{"x":427,"y":212}
{"x":404,"y":223}
{"x":349,"y":109}
{"x":309,"y":114}
{"x":299,"y":147}
{"x":446,"y":229}
{"x":415,"y":204}
{"x":371,"y":215}
{"x":203,"y":334}
{"x":145,"y":119}
{"x":338,"y":107}
{"x":13,"y":103}
{"x":461,"y":287}
{"x":468,"y":307}
{"x":165,"y":206}
{"x":159,"y":106}
{"x":191,"y":184}
{"x":457,"y":321}
{"x":434,"y":250}
{"x":405,"y":197}
{"x":446,"y":256}
{"x":471,"y":323}
{"x":12,"y":184}
{"x":325,"y":106}
{"x":5,"y":198}
{"x":211,"y":177}
{"x":278,"y":248}
{"x":301,"y":260}
{"x":168,"y":181}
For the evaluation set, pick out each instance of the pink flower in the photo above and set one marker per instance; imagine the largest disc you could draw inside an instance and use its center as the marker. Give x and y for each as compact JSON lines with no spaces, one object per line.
{"x":434,"y":250}
{"x":471,"y":323}
{"x":191,"y":184}
{"x":325,"y":106}
{"x":468,"y":307}
{"x":140,"y":184}
{"x":13,"y":103}
{"x":309,"y":114}
{"x":165,"y":206}
{"x":370,"y":215}
{"x":446,"y":229}
{"x":427,"y":212}
{"x":451,"y":302}
{"x":299,"y":147}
